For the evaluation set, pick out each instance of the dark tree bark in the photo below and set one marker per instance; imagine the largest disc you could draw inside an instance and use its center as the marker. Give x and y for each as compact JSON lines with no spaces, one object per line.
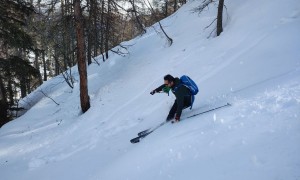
{"x":220,"y":17}
{"x":3,"y":104}
{"x":23,"y":86}
{"x":183,"y":1}
{"x":45,"y":66}
{"x":56,"y":59}
{"x":170,"y":40}
{"x":10,"y":85}
{"x":139,"y":22}
{"x":36,"y":60}
{"x":89,"y":47}
{"x":95,"y":29}
{"x":102,"y":31}
{"x":91,"y":30}
{"x":107,"y":34}
{"x":166,"y":8}
{"x":175,"y":5}
{"x":84,"y":97}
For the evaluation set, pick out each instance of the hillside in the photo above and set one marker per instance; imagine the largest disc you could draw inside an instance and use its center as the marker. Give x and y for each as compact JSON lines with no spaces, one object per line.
{"x":254,"y":65}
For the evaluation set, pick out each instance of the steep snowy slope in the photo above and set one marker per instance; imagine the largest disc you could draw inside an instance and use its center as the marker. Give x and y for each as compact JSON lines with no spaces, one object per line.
{"x":254,"y":64}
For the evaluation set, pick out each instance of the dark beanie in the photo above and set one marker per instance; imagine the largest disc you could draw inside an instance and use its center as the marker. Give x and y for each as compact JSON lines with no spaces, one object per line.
{"x":169,"y":78}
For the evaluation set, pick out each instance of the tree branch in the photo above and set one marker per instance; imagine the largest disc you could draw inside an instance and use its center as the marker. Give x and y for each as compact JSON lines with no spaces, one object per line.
{"x":48,"y":96}
{"x":170,"y":40}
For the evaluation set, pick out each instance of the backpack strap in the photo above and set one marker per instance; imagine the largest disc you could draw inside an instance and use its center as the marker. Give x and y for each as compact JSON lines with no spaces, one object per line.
{"x":192,"y":101}
{"x":175,"y":88}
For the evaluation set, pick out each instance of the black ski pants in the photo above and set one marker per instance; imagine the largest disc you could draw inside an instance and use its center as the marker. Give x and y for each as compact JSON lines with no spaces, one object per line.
{"x":186,"y":103}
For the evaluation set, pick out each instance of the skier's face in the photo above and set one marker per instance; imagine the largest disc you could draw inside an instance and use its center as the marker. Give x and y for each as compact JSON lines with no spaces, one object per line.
{"x":169,"y":83}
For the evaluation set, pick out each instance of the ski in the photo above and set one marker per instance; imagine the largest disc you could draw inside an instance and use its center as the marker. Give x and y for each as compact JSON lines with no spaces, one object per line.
{"x":149,"y":129}
{"x":146,"y":132}
{"x":142,"y":133}
{"x":213,"y":109}
{"x":137,"y":139}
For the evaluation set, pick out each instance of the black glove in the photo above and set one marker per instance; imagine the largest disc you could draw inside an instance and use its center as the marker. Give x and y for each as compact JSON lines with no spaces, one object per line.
{"x":153,"y":92}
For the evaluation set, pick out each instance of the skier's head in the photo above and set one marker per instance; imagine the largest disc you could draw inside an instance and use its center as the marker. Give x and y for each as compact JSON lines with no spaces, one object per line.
{"x":169,"y":80}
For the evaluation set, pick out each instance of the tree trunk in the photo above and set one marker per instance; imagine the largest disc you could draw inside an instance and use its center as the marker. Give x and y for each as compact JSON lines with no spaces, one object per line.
{"x":10,"y":86}
{"x":28,"y":88}
{"x":84,"y":97}
{"x":92,"y":30}
{"x":138,"y":21}
{"x":36,"y":60}
{"x":56,"y":59}
{"x":89,"y":32}
{"x":89,"y":47}
{"x":95,"y":14}
{"x":166,"y":8}
{"x":45,"y":65}
{"x":23,"y":86}
{"x":102,"y":32}
{"x":107,"y":30}
{"x":220,"y":17}
{"x":175,"y":5}
{"x":3,"y":104}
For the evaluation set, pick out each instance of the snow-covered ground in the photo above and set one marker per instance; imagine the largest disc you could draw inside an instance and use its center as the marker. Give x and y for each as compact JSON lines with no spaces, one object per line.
{"x":254,"y":65}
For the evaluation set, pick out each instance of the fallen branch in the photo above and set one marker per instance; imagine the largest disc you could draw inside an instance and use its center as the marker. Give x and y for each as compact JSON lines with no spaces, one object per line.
{"x":96,"y":61}
{"x":48,"y":96}
{"x":210,"y":24}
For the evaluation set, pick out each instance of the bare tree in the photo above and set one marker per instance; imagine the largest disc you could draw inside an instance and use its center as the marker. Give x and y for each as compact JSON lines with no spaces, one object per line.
{"x":44,"y":65}
{"x":91,"y":29}
{"x":3,"y":104}
{"x":108,"y":26}
{"x":220,"y":17}
{"x":169,"y":39}
{"x":175,"y":5}
{"x":139,"y":22}
{"x":219,"y":27}
{"x":84,"y":97}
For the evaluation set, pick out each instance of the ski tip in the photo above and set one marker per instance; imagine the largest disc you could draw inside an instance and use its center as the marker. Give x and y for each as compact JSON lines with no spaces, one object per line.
{"x":135,"y":140}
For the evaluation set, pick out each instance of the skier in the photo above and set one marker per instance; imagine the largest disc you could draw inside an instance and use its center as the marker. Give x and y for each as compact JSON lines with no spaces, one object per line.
{"x":184,"y":91}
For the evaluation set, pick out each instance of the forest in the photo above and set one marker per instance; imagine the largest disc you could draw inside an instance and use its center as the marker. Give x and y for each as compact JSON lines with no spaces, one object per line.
{"x":39,"y":39}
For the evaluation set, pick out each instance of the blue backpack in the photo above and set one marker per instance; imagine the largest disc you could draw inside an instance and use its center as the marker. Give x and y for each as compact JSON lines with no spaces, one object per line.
{"x":191,"y":85}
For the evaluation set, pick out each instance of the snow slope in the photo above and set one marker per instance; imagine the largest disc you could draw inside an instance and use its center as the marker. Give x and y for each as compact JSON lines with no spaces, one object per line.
{"x":254,"y":64}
